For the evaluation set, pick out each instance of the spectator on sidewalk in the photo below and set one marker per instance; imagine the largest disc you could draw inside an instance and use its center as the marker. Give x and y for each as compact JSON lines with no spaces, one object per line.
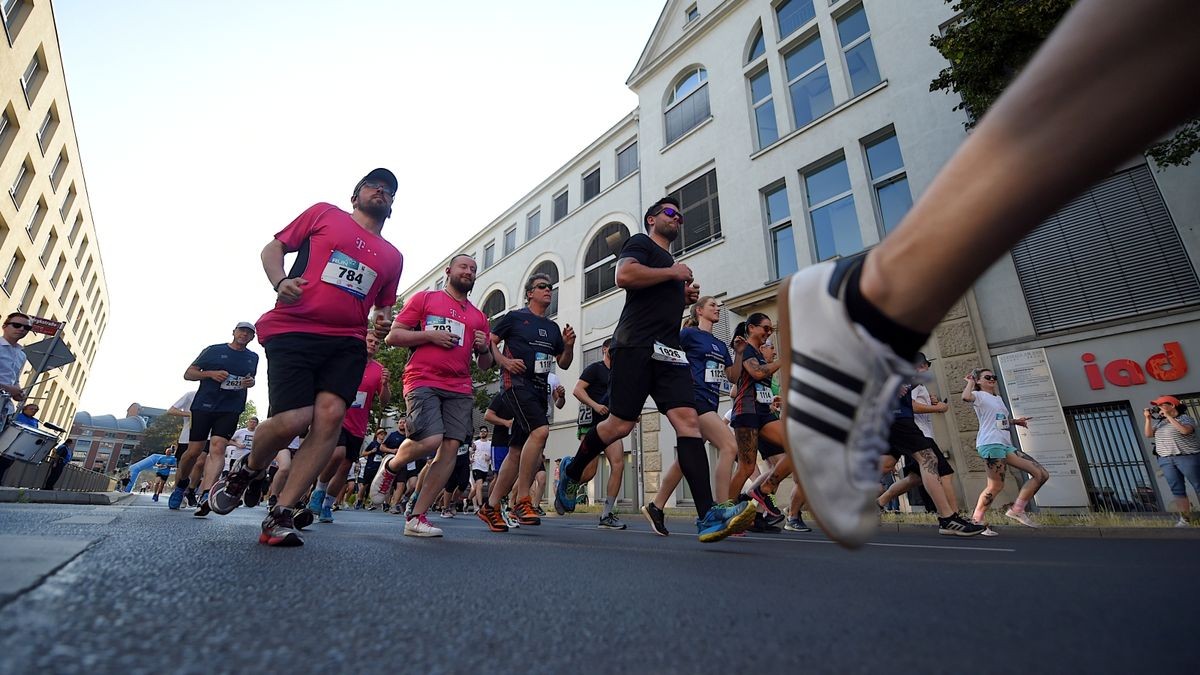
{"x":28,"y":415}
{"x":60,"y":457}
{"x":1177,"y":449}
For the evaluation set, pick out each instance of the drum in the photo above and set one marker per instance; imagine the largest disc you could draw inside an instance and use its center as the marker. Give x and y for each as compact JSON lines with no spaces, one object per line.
{"x":26,"y":444}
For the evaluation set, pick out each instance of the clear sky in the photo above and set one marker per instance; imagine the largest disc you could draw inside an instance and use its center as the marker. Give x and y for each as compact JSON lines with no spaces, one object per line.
{"x":205,"y":127}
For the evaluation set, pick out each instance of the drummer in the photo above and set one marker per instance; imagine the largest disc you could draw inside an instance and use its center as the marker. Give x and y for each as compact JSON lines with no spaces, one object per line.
{"x":12,"y":361}
{"x":28,"y":415}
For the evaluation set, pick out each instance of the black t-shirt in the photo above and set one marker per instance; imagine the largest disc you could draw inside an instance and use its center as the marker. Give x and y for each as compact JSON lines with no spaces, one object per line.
{"x":372,"y":460}
{"x":500,"y":433}
{"x":596,"y":375}
{"x":535,"y":340}
{"x":749,"y":394}
{"x":227,"y":396}
{"x":651,"y":314}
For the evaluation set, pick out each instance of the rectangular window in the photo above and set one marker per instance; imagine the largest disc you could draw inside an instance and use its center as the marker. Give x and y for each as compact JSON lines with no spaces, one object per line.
{"x":533,"y":224}
{"x":560,"y":206}
{"x":779,"y":224}
{"x":591,"y":185}
{"x":13,"y":273}
{"x":8,"y":131}
{"x":701,"y":213}
{"x":75,"y":228}
{"x":808,"y":81}
{"x":889,"y":181}
{"x":855,"y":36}
{"x":58,"y":270}
{"x":691,"y":14}
{"x":60,"y":168}
{"x":489,"y":255}
{"x":687,"y":113}
{"x":1114,"y":467}
{"x":48,"y":249}
{"x":31,"y":79}
{"x":14,"y":15}
{"x":68,"y":202}
{"x":64,"y":292}
{"x":792,"y":14}
{"x":49,"y":125}
{"x":83,"y":248}
{"x":831,"y":211}
{"x":439,"y":284}
{"x":1113,"y":252}
{"x":764,"y":108}
{"x":627,"y":160}
{"x":27,"y":297}
{"x":510,"y":240}
{"x":22,"y":182}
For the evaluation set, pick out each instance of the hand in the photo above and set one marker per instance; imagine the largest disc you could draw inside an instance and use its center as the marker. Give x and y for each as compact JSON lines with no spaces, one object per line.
{"x":247,"y":382}
{"x":777,"y":404}
{"x":381,"y":326}
{"x":441,"y":338}
{"x":560,"y":392}
{"x":514,"y":366}
{"x":941,"y":406}
{"x":569,"y":336}
{"x":508,"y":423}
{"x":1022,"y":421}
{"x":600,"y":409}
{"x":218,"y":375}
{"x":14,"y":392}
{"x":290,"y":290}
{"x":480,"y":343}
{"x":739,"y":342}
{"x":681,"y":272}
{"x":1146,"y":413}
{"x":691,"y":293}
{"x":386,"y":374}
{"x":970,"y":378}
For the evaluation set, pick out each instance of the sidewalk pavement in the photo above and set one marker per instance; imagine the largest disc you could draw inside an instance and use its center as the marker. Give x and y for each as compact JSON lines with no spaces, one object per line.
{"x":10,"y":495}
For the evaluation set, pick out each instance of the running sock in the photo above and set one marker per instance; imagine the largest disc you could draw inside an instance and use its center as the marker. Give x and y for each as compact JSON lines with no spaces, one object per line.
{"x":322,"y":485}
{"x":589,"y":448}
{"x":1019,"y":505}
{"x":182,"y":484}
{"x":693,"y":462}
{"x":609,"y":503}
{"x":905,"y":341}
{"x":328,"y":502}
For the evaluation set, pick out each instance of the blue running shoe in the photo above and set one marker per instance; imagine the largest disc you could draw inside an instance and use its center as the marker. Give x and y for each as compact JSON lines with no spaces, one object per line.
{"x":176,"y":499}
{"x":725,"y":519}
{"x":326,"y":515}
{"x":565,"y":490}
{"x":315,"y":502}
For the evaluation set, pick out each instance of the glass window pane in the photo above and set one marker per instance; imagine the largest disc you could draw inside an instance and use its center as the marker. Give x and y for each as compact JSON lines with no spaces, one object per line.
{"x":785,"y":252}
{"x":777,"y":205}
{"x":811,"y":96}
{"x":852,"y":26}
{"x":560,"y":207}
{"x":827,"y":183}
{"x":883,"y":157}
{"x":803,"y":57}
{"x":768,"y":129}
{"x":864,"y":72}
{"x":835,"y":228}
{"x":533,"y":225}
{"x":758,"y":48}
{"x":760,"y":85}
{"x":627,"y":161}
{"x":894,"y":201}
{"x":794,"y":14}
{"x":689,"y":84}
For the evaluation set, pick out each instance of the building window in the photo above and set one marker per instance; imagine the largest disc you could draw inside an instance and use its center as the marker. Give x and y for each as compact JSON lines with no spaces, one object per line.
{"x":1113,"y":252}
{"x":48,"y":249}
{"x":75,"y":228}
{"x":15,"y":12}
{"x":831,"y":211}
{"x":33,"y":226}
{"x":20,"y":185}
{"x":60,"y":168}
{"x":510,"y":240}
{"x":551,"y":270}
{"x":533,"y":224}
{"x":27,"y":297}
{"x":808,"y":81}
{"x":32,"y":78}
{"x":767,"y":131}
{"x":68,"y":202}
{"x":439,"y":284}
{"x":701,"y":215}
{"x":13,"y":273}
{"x":493,"y":305}
{"x":83,"y":248}
{"x":591,"y":185}
{"x":889,"y":181}
{"x":779,"y":224}
{"x":489,"y":255}
{"x":855,"y":35}
{"x":792,"y":14}
{"x":8,"y":131}
{"x":600,"y":260}
{"x":691,"y":14}
{"x":46,"y":131}
{"x":1114,"y":467}
{"x":627,"y":160}
{"x":758,"y":47}
{"x":560,"y":206}
{"x":688,"y":105}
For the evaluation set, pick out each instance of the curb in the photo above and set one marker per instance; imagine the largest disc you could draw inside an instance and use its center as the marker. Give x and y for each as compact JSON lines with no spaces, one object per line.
{"x":31,"y":496}
{"x":1064,"y":532}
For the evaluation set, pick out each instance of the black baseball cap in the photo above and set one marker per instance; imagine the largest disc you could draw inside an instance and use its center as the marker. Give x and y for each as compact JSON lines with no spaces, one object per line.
{"x":382,"y":175}
{"x":921,"y":359}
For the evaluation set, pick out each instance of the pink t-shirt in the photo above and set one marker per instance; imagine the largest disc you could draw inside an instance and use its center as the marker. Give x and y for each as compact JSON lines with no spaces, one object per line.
{"x":348,"y":270}
{"x":433,"y":366}
{"x":355,"y":421}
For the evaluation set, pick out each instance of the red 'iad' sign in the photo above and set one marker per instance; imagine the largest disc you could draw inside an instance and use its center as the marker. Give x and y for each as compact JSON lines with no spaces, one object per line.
{"x":45,"y":326}
{"x":1168,"y":366}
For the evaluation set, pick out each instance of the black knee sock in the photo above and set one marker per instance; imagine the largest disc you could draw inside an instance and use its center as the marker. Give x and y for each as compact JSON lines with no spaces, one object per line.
{"x":589,"y":448}
{"x":904,"y":341}
{"x":693,"y":462}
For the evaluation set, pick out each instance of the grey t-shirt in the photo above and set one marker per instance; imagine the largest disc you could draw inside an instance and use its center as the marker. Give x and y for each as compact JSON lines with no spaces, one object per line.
{"x":1168,"y":441}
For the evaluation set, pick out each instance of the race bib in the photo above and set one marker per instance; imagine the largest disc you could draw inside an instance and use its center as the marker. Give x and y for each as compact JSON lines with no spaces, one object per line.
{"x":360,"y":399}
{"x":1002,"y":422}
{"x":455,"y":328}
{"x":542,"y":363}
{"x":714,"y":373}
{"x":670,"y":355}
{"x":348,"y":274}
{"x":585,"y":416}
{"x":411,"y":466}
{"x":232,"y":382}
{"x":762,"y":394}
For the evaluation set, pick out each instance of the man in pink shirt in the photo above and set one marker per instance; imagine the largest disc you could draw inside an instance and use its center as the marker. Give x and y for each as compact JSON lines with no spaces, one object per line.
{"x":314,"y":341}
{"x":443,"y":330}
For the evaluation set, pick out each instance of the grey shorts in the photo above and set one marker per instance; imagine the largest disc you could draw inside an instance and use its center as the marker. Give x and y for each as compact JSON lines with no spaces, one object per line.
{"x":437,"y":412}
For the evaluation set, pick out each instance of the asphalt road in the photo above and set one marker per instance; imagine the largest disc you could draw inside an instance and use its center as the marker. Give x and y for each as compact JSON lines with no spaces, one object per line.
{"x":157,"y":591}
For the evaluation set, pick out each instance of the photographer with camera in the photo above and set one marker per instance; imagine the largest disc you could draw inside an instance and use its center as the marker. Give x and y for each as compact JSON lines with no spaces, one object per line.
{"x":1177,"y":448}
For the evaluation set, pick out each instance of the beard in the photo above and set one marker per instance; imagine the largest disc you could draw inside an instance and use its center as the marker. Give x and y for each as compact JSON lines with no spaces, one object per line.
{"x":461,"y":286}
{"x":378,"y":210}
{"x":668,"y":232}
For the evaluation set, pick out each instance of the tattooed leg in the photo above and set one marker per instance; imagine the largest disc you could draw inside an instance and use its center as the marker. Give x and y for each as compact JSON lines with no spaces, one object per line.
{"x":995,"y":484}
{"x":1038,"y":473}
{"x":933,"y":485}
{"x":747,"y":441}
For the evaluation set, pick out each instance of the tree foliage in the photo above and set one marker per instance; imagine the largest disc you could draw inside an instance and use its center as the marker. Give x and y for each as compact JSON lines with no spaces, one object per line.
{"x":992,"y":40}
{"x":163,"y":431}
{"x":250,"y":411}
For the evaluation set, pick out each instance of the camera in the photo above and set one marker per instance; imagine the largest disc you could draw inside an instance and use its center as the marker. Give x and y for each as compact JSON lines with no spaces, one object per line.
{"x":1154,"y":410}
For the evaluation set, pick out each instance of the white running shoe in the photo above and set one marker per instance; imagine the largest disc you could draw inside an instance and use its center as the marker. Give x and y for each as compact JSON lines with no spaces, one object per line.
{"x":841,"y":386}
{"x":1182,"y":522}
{"x":381,"y":484}
{"x":989,"y":532}
{"x":419,"y":526}
{"x":1022,"y":518}
{"x":509,"y":520}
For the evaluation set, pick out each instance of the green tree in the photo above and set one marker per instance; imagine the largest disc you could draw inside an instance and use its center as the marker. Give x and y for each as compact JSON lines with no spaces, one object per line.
{"x":993,"y":40}
{"x":250,"y":411}
{"x":162,"y":432}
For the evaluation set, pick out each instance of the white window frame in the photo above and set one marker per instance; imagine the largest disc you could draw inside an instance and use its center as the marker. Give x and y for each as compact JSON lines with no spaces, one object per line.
{"x":489,"y":254}
{"x":777,"y":225}
{"x":823,"y":63}
{"x":565,"y":193}
{"x":889,"y":178}
{"x":632,"y":145}
{"x":755,"y":105}
{"x":510,"y":231}
{"x":583,"y":179}
{"x":809,"y":209}
{"x":857,"y":41}
{"x":530,"y":218}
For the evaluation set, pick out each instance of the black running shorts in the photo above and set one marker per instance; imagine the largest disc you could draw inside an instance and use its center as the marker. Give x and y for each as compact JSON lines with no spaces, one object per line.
{"x":219,"y":424}
{"x":353,"y":444}
{"x":634,"y":376}
{"x":299,"y":365}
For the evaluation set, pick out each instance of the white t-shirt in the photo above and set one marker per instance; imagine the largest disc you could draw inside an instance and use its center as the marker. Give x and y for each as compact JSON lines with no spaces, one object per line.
{"x":245,"y":437}
{"x":994,"y":420}
{"x":483,"y":456}
{"x":924,"y":420}
{"x":554,"y":382}
{"x":185,"y":403}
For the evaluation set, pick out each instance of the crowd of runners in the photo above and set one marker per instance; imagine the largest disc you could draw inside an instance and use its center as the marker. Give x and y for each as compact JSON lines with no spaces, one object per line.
{"x":852,"y":400}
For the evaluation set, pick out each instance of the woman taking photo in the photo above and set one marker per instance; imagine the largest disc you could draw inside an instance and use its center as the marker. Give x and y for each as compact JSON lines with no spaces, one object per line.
{"x":1177,"y":448}
{"x":994,"y":445}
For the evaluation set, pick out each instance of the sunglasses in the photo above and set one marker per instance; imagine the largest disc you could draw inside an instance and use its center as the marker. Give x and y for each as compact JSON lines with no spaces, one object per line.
{"x":765,"y":326}
{"x":671,"y":213}
{"x":542,"y":286}
{"x":21,"y":326}
{"x":990,"y":378}
{"x":376,"y":185}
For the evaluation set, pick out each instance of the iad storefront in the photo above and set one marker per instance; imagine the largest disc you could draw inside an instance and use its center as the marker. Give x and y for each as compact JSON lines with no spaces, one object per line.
{"x":1087,"y":398}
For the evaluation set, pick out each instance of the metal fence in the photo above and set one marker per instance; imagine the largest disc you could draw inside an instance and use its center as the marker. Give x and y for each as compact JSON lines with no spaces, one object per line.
{"x":74,"y":478}
{"x":1116,"y":469}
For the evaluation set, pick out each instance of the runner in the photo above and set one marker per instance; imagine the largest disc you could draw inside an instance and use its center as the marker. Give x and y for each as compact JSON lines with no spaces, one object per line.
{"x":557,"y":399}
{"x":181,"y":408}
{"x":647,"y":361}
{"x":500,"y":416}
{"x":314,"y":339}
{"x":443,"y":330}
{"x":592,"y":392}
{"x":481,"y":466}
{"x":242,"y":441}
{"x":532,"y":344}
{"x":162,"y":472}
{"x":374,"y":455}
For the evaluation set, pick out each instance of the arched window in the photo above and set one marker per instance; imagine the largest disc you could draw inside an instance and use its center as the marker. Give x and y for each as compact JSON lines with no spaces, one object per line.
{"x":551,"y":270}
{"x":600,"y":261}
{"x":493,"y":305}
{"x":758,"y":47}
{"x":688,"y":104}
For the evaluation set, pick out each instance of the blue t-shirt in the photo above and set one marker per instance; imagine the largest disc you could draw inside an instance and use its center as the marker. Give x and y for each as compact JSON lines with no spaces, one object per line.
{"x":218,"y":397}
{"x":394,"y":440}
{"x":533,"y":339}
{"x":22,"y":418}
{"x":708,"y":358}
{"x":164,"y":464}
{"x":904,"y":407}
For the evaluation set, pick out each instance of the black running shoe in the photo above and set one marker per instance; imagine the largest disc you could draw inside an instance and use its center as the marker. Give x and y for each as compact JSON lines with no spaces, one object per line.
{"x":658,"y":520}
{"x":956,"y":526}
{"x":765,"y":504}
{"x":279,"y":529}
{"x":302,"y":517}
{"x":190,"y":496}
{"x":227,"y":492}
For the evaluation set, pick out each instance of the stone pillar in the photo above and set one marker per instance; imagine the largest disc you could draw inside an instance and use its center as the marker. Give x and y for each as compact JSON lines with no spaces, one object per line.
{"x":651,"y":455}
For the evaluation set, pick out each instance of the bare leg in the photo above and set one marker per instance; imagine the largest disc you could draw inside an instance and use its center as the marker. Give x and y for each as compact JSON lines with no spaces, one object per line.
{"x":439,"y":471}
{"x":1039,"y":475}
{"x":747,"y":450}
{"x":714,"y":430}
{"x":995,"y":484}
{"x":215,"y":463}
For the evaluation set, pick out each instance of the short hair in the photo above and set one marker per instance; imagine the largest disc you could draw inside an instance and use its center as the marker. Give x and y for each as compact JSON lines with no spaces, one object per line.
{"x":693,"y":318}
{"x":532,"y":280}
{"x":656,"y":207}
{"x":607,"y":343}
{"x":12,"y":314}
{"x":456,"y":256}
{"x":252,"y":417}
